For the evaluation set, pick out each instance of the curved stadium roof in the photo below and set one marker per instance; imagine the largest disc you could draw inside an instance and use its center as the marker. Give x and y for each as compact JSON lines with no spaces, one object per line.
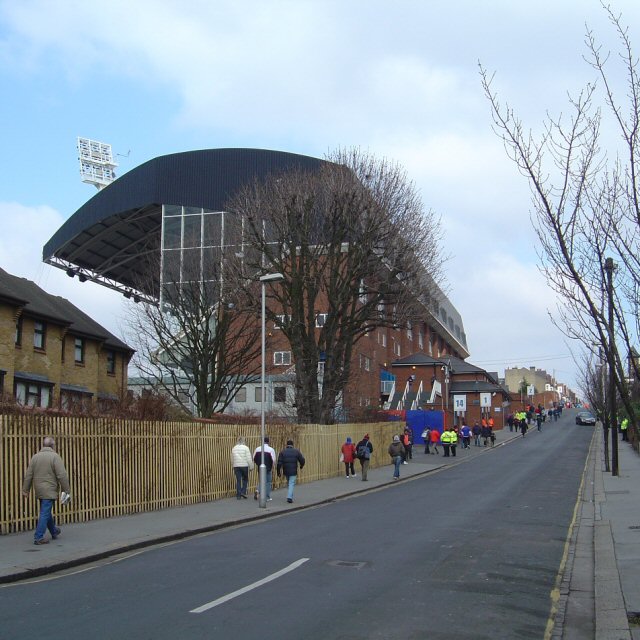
{"x":112,"y":237}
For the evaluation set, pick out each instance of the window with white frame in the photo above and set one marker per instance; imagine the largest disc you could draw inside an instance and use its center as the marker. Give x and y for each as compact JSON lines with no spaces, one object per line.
{"x":39,"y":334}
{"x":396,"y":348}
{"x":282,"y":319}
{"x":282,"y":358}
{"x":78,"y":350}
{"x":321,"y":320}
{"x":420,"y":340}
{"x":409,"y":331}
{"x":33,"y":394}
{"x":382,"y":338}
{"x":363,"y":292}
{"x":365,"y":362}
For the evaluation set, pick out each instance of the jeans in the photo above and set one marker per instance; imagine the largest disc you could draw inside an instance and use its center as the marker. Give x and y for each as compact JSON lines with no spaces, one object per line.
{"x":45,"y":520}
{"x":242,"y":480}
{"x":397,"y":461}
{"x":476,"y":440}
{"x":291,"y":480}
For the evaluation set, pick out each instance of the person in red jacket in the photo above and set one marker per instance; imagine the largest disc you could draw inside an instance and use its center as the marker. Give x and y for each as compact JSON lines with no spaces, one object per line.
{"x":348,"y":456}
{"x":434,"y":436}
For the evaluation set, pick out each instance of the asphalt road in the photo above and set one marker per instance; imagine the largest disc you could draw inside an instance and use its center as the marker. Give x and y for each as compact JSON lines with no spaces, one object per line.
{"x":471,"y":551}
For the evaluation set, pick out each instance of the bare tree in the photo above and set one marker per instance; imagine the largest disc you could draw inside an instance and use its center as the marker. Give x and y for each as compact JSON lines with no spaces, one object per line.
{"x":586,"y":207}
{"x":201,"y":343}
{"x":357,"y":251}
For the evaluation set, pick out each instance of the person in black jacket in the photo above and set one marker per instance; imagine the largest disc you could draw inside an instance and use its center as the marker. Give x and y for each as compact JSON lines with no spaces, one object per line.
{"x":364,"y":449}
{"x":288,"y":462}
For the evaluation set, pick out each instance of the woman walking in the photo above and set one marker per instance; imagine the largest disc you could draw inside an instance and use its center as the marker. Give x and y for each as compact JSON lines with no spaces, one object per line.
{"x":348,"y":456}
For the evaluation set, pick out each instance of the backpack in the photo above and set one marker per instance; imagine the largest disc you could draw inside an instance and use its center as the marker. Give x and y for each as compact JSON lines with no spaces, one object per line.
{"x":363,"y":451}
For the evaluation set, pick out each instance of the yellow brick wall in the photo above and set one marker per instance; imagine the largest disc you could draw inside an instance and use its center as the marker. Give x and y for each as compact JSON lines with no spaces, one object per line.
{"x":49,"y":362}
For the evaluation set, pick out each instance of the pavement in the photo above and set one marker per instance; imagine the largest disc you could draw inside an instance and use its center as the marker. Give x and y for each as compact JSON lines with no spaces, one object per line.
{"x":598,"y":588}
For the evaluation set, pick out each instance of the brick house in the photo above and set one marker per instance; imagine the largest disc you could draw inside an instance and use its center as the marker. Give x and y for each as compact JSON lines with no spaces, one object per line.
{"x":54,"y":355}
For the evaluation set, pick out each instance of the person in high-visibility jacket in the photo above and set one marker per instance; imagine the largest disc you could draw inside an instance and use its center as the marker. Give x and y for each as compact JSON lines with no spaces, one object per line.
{"x":449,"y":441}
{"x":624,"y":425}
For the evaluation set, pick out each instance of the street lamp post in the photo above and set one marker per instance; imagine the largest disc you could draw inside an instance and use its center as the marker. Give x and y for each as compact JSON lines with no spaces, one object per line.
{"x":262,"y":471}
{"x":613,"y":418}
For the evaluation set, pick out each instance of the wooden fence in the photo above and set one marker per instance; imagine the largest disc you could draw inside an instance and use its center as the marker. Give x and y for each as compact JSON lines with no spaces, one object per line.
{"x":119,"y":467}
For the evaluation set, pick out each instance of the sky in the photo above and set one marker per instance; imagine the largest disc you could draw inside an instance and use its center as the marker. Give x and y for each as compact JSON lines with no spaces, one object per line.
{"x":399,"y":80}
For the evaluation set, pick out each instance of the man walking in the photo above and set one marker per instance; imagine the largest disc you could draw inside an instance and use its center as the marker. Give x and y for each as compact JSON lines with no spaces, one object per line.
{"x":288,"y":462}
{"x":46,"y":472}
{"x":269,"y":463}
{"x":364,"y":449}
{"x":396,"y":449}
{"x":242,"y":463}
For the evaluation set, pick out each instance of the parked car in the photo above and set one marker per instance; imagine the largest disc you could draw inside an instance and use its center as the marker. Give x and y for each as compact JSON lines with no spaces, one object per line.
{"x":584,"y":417}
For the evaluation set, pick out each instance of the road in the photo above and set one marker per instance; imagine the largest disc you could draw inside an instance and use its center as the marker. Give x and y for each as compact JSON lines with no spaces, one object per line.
{"x":471,"y":551}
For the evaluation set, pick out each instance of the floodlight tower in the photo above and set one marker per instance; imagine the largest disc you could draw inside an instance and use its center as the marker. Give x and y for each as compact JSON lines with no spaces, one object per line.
{"x":96,"y":163}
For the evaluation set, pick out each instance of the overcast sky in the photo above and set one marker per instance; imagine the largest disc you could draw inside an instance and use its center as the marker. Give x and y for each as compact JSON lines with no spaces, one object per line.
{"x":398,"y":79}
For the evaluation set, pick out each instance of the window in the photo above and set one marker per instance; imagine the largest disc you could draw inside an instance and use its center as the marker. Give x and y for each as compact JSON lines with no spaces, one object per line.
{"x":396,"y":348}
{"x":382,"y":338}
{"x":241,"y":396}
{"x":282,"y":319}
{"x":74,"y":401}
{"x":365,"y":362}
{"x":279,"y":394}
{"x":19,"y":332}
{"x":258,"y":394}
{"x":409,"y":331}
{"x":321,"y":319}
{"x":362,"y":295}
{"x":111,"y":362}
{"x":420,"y":340}
{"x":39,"y":334}
{"x":33,"y":394}
{"x":78,"y":350}
{"x":282,"y":358}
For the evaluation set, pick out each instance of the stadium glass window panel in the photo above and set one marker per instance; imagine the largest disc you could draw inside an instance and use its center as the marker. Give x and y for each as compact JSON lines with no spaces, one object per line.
{"x":191,"y":265}
{"x":212,"y":230}
{"x":172,"y":210}
{"x":171,"y":266}
{"x":192,"y":231}
{"x":172,"y":236}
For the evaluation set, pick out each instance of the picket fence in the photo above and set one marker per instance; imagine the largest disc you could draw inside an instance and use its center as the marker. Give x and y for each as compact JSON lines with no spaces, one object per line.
{"x":119,"y":467}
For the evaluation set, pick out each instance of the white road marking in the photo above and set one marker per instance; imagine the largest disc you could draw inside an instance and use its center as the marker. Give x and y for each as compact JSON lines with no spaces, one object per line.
{"x":250,"y":587}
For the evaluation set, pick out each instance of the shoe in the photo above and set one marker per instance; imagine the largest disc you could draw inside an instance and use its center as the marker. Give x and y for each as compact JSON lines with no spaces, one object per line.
{"x":347,"y":476}
{"x":41,"y":541}
{"x":353,"y":475}
{"x":269,"y":499}
{"x":255,"y":495}
{"x":405,"y":463}
{"x":244,"y":495}
{"x":56,"y":535}
{"x":289,"y":500}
